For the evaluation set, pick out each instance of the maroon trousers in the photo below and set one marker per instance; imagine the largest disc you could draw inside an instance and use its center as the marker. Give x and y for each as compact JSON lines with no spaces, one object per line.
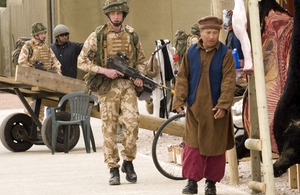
{"x":196,"y":167}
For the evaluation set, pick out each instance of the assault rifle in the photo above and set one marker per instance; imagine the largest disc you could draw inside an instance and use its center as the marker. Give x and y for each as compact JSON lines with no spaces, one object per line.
{"x":120,"y":64}
{"x":40,"y":66}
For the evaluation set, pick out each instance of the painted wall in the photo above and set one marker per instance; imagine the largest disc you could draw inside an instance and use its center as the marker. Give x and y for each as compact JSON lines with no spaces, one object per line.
{"x":16,"y":22}
{"x":4,"y":42}
{"x":152,"y":19}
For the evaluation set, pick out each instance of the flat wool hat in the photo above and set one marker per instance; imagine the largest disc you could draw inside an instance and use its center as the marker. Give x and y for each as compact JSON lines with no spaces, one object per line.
{"x":210,"y":22}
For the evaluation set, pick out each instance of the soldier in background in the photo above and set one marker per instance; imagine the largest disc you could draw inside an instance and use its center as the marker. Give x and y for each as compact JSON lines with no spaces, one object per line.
{"x":117,"y":95}
{"x":195,"y":35}
{"x":66,"y":52}
{"x":180,"y":44}
{"x":36,"y":51}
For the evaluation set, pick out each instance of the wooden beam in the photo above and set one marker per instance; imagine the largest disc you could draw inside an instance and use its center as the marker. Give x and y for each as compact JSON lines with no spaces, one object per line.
{"x":254,"y":129}
{"x":261,"y":97}
{"x":42,"y":80}
{"x":293,"y":176}
{"x":47,"y":80}
{"x":257,"y":186}
{"x":153,"y":123}
{"x":217,"y":7}
{"x":253,"y":144}
{"x":298,"y":177}
{"x":233,"y":166}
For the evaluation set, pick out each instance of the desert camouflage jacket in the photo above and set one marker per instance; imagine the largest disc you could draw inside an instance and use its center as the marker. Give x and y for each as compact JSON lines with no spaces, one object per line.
{"x":41,"y":52}
{"x":115,"y":42}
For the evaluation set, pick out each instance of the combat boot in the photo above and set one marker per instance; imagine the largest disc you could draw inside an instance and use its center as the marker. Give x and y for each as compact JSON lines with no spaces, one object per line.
{"x":127,"y":167}
{"x":114,"y":176}
{"x":191,"y":187}
{"x":210,"y":187}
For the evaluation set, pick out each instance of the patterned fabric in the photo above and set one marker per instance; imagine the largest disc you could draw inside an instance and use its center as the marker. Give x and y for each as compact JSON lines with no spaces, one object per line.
{"x":119,"y":104}
{"x":38,"y":28}
{"x":42,"y":53}
{"x":115,"y":42}
{"x":115,"y":5}
{"x":41,"y":113}
{"x":192,"y":40}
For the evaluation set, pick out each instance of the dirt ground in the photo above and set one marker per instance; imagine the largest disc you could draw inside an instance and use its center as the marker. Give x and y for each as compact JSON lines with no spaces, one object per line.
{"x":244,"y":168}
{"x":9,"y":101}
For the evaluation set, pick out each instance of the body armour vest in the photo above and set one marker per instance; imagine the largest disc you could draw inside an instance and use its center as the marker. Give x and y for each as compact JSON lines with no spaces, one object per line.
{"x":124,"y":41}
{"x":41,"y":53}
{"x":110,"y":42}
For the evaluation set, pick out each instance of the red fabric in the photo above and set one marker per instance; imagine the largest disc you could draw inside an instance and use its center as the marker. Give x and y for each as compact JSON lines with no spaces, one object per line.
{"x":196,"y":166}
{"x":175,"y":58}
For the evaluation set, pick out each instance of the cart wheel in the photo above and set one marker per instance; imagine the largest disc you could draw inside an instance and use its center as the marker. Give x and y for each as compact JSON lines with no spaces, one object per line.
{"x":14,"y":130}
{"x":161,"y":141}
{"x":47,"y":135}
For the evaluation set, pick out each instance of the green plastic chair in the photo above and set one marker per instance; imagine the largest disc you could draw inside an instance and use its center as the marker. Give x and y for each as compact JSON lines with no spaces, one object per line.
{"x":80,"y":110}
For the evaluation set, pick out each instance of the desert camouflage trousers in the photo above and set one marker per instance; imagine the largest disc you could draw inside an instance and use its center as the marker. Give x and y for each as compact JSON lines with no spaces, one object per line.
{"x":119,"y":106}
{"x":41,"y":113}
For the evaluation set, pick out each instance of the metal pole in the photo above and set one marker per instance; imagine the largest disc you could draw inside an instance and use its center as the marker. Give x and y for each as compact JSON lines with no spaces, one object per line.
{"x":52,"y":14}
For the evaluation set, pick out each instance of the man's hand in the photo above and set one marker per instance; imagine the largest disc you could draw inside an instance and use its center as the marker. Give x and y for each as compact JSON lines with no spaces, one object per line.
{"x":110,"y":73}
{"x":220,"y":112}
{"x":138,"y":82}
{"x":180,"y":110}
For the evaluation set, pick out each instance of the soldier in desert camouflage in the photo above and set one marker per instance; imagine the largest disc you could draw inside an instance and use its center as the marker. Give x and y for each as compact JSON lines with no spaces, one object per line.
{"x":195,"y":35}
{"x":180,"y":44}
{"x":37,"y":51}
{"x":117,"y":95}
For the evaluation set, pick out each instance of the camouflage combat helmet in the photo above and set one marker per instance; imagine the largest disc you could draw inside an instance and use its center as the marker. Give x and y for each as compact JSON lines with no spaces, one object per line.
{"x":195,"y":30}
{"x":115,"y":5}
{"x":180,"y":35}
{"x":38,"y":28}
{"x":60,"y":29}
